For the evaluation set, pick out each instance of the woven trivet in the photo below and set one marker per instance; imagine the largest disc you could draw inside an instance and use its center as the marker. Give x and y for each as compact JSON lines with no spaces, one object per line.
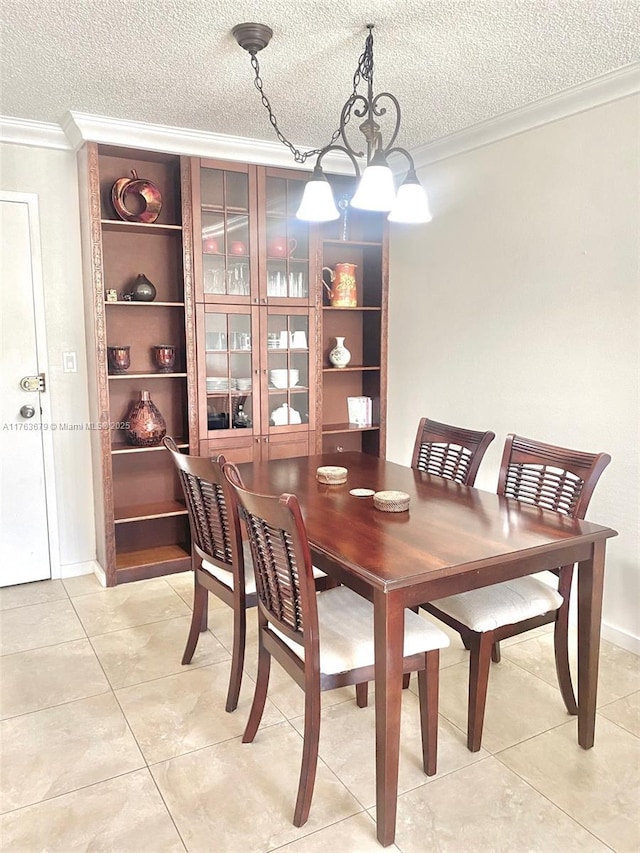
{"x":391,"y":501}
{"x":331,"y":475}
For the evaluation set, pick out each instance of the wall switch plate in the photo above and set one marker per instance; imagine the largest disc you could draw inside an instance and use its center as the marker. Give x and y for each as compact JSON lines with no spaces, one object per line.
{"x":69,"y":362}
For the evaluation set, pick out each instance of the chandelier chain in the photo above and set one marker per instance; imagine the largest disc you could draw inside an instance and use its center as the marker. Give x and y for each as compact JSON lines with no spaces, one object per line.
{"x":364,"y":70}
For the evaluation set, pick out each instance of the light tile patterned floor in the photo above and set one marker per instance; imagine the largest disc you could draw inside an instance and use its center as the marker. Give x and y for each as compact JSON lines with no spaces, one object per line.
{"x":107,"y":743}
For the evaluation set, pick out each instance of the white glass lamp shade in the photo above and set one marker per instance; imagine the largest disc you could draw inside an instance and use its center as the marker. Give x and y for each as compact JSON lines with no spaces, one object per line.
{"x":317,"y":203}
{"x":376,"y":190}
{"x":411,"y":205}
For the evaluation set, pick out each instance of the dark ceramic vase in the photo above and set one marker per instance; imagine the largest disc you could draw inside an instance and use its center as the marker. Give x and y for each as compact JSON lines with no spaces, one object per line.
{"x":143,"y":290}
{"x":146,"y":427}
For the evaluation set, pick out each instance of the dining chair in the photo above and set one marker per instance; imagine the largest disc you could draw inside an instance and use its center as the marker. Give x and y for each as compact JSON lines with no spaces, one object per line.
{"x":222,"y":564}
{"x":449,"y":451}
{"x":552,"y":478}
{"x":323,"y":641}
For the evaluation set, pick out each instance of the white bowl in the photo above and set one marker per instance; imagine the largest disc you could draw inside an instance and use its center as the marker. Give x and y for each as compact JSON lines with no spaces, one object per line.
{"x":284,"y":378}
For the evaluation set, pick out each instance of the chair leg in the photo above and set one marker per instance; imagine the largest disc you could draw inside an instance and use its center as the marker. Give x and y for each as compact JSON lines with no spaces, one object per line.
{"x":200,"y":596}
{"x":428,"y":686}
{"x":466,"y":641}
{"x":561,"y":648}
{"x":362,"y":694}
{"x":237,"y":658}
{"x":495,"y":652}
{"x":260,"y":695}
{"x":478,"y":680}
{"x":309,"y":754}
{"x":406,"y":680}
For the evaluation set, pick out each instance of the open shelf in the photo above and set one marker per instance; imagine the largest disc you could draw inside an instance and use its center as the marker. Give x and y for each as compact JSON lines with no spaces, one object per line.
{"x":154,"y":375}
{"x":357,"y":308}
{"x":146,"y":227}
{"x":330,"y":429}
{"x":130,"y":303}
{"x":350,"y":368}
{"x":353,"y":243}
{"x":142,"y":512}
{"x":151,"y":556}
{"x":123,"y":447}
{"x":144,"y":531}
{"x":151,"y":562}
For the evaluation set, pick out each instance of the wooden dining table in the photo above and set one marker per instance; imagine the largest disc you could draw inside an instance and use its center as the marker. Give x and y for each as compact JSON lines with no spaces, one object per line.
{"x":453,"y":538}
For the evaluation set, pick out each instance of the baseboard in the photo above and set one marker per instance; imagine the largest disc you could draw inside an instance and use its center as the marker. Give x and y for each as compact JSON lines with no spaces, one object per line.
{"x":621,"y":638}
{"x":90,"y":567}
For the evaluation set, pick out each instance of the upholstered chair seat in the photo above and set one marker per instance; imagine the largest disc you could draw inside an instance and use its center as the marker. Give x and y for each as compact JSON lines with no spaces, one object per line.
{"x":505,"y":603}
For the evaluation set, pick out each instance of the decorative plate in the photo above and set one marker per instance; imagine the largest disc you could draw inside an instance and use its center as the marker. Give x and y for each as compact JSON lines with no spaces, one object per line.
{"x":125,"y":188}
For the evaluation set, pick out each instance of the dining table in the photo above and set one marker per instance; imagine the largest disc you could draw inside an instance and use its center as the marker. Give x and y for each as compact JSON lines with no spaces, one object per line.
{"x":452,"y":538}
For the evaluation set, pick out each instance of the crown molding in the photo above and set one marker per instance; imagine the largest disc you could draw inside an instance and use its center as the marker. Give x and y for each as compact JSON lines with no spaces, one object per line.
{"x":20,"y":131}
{"x":84,"y":127}
{"x":609,"y":87}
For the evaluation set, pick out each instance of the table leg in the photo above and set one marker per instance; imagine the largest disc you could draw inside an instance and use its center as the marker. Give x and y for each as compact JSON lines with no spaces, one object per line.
{"x":590,"y":583}
{"x":389,"y":642}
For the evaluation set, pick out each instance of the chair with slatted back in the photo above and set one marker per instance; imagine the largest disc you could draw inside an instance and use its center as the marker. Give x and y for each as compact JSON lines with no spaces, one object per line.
{"x":221,"y":564}
{"x":553,"y":478}
{"x":449,"y":451}
{"x":323,"y":641}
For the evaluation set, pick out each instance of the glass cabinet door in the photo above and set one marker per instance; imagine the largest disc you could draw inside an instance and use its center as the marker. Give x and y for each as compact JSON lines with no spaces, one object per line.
{"x":286,"y":241}
{"x":225,"y":234}
{"x":231,"y":378}
{"x":287,"y":397}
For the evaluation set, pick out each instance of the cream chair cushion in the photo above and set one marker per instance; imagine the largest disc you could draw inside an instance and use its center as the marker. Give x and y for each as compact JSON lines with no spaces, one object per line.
{"x":226,"y":577}
{"x":501,"y":604}
{"x":345,"y":622}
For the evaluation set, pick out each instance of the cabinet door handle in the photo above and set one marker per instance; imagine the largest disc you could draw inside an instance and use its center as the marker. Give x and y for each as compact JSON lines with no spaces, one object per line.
{"x":266,"y":440}
{"x":256,"y":300}
{"x":264,"y":299}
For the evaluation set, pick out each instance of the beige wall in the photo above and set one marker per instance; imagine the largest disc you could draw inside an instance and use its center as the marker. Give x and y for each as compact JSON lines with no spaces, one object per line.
{"x":516,"y":310}
{"x":52,"y":175}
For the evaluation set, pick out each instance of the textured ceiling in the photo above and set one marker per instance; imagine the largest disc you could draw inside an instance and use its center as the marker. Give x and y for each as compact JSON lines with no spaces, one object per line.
{"x":451,"y":63}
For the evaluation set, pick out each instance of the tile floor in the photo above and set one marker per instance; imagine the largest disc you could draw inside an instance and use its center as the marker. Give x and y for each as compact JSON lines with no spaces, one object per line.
{"x":109,"y":744}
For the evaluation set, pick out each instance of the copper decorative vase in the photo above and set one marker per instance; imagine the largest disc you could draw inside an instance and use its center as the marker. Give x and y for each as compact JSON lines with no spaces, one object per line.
{"x":165,"y":357}
{"x":119,"y":359}
{"x":146,"y":427}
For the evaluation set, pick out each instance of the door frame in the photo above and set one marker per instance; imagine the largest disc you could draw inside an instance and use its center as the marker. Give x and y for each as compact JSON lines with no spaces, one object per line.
{"x":33,"y":211}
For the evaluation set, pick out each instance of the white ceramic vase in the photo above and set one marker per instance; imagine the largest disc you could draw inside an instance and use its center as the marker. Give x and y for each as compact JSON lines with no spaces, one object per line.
{"x":339,"y":355}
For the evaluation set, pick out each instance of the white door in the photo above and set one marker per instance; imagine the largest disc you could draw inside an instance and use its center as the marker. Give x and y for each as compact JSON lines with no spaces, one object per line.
{"x":26,"y":449}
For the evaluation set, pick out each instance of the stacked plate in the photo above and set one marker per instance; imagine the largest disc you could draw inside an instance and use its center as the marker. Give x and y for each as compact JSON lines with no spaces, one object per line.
{"x":220,"y":383}
{"x":243,"y":384}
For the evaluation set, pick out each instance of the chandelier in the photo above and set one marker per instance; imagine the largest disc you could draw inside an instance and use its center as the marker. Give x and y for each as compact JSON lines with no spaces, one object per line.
{"x":375,"y":188}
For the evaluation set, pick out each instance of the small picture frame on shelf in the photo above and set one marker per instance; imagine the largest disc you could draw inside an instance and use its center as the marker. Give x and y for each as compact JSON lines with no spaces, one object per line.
{"x":360,"y":411}
{"x":112,"y":295}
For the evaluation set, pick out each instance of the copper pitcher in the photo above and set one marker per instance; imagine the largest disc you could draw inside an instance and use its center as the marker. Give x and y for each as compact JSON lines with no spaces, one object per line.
{"x":342,"y":291}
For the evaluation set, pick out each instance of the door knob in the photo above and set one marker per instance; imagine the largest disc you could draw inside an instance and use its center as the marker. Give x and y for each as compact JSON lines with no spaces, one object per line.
{"x":27,"y":411}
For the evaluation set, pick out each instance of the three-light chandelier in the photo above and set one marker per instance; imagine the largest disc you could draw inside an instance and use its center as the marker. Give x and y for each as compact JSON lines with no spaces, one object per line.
{"x":376,"y":188}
